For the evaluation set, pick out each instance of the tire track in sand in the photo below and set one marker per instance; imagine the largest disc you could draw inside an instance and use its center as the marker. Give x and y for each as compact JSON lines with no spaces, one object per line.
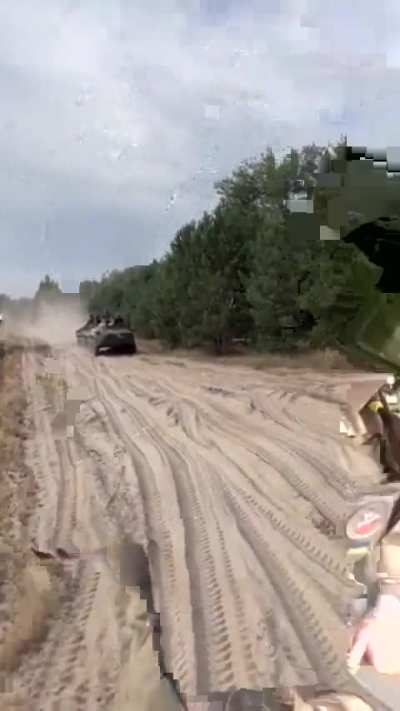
{"x":202,"y":512}
{"x":143,"y":423}
{"x":191,"y":510}
{"x":271,"y":455}
{"x":58,"y":674}
{"x":168,"y":586}
{"x":317,"y":550}
{"x":345,"y":676}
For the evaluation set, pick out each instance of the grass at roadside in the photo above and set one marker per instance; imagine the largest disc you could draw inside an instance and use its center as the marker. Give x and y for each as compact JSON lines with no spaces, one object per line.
{"x":348,"y":358}
{"x":368,"y":360}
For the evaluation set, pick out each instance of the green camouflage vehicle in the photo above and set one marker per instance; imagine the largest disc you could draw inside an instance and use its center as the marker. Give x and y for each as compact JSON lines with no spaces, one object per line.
{"x":107,"y":335}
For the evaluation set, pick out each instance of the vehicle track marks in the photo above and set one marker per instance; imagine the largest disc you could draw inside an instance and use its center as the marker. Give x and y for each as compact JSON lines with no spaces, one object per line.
{"x":206,"y":479}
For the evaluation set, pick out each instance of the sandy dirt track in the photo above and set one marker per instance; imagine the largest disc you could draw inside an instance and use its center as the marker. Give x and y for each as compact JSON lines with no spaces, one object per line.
{"x":231,"y":473}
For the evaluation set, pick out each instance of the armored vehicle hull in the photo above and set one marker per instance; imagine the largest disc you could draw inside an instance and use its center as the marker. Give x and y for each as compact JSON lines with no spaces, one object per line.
{"x":111,"y":339}
{"x":102,"y":338}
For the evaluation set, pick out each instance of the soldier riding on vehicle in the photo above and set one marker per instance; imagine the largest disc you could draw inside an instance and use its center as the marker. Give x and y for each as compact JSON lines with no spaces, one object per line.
{"x":390,"y":393}
{"x":119,"y":321}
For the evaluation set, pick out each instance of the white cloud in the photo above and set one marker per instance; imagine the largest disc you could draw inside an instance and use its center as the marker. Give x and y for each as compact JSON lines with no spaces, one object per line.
{"x":116,"y":119}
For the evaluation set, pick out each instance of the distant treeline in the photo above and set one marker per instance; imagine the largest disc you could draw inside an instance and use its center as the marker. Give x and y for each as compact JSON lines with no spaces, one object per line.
{"x":47,"y":294}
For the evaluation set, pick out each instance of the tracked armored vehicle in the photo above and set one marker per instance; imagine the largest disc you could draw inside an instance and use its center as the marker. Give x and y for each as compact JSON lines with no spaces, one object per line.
{"x":107,"y":335}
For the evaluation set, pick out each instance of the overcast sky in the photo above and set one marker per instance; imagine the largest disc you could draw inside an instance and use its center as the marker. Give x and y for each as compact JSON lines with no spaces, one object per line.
{"x":117,"y":116}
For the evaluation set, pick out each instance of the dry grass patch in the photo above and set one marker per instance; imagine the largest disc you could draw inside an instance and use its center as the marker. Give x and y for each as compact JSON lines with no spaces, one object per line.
{"x":28,"y":592}
{"x":325,"y":359}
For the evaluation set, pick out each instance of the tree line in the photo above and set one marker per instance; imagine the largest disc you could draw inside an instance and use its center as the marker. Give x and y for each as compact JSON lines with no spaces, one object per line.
{"x":48,"y":294}
{"x":240,"y":273}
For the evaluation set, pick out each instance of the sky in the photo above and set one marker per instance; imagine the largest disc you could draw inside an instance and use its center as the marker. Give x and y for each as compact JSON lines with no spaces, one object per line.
{"x":118,"y":117}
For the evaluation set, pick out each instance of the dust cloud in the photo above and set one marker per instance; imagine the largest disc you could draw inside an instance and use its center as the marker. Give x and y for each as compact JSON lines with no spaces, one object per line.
{"x":55,"y":325}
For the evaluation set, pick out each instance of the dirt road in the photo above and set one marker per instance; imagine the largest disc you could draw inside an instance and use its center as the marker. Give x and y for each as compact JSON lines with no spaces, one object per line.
{"x":239,"y":477}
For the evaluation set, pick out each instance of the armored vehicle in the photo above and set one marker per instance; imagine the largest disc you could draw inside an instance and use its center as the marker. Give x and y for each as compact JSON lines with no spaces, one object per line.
{"x":107,"y":334}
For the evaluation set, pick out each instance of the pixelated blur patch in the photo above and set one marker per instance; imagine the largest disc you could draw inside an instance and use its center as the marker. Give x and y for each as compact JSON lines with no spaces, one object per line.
{"x":302,"y":225}
{"x":326,"y":233}
{"x":355,"y":197}
{"x":304,"y":206}
{"x":393,"y":159}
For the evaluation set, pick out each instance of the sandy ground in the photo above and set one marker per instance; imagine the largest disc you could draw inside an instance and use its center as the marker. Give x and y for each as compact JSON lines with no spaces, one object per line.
{"x":238,"y":476}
